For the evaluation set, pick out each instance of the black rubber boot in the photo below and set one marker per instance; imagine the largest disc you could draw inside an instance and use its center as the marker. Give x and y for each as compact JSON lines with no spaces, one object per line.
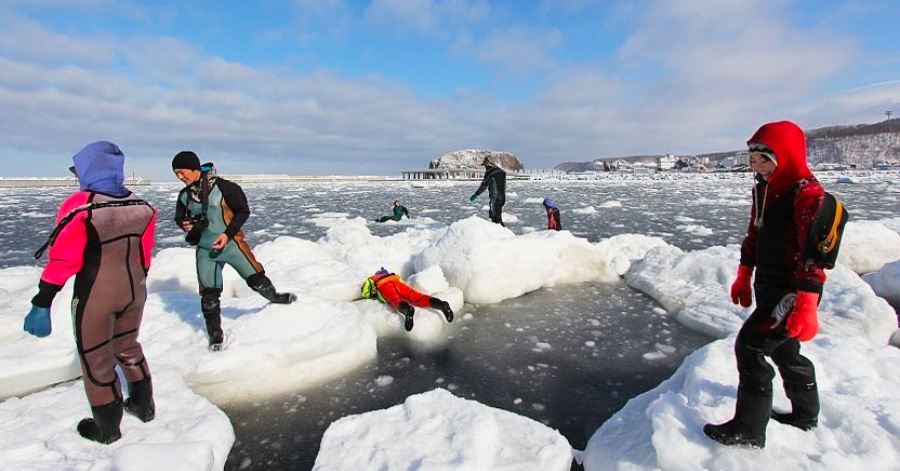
{"x":748,"y":427}
{"x":804,"y":406}
{"x":443,"y":306}
{"x":407,"y":312}
{"x":140,"y":400}
{"x":261,"y":283}
{"x":212,"y":314}
{"x":104,"y":426}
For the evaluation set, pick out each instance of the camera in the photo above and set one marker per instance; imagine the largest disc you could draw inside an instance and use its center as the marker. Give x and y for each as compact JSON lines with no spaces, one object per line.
{"x":199,"y":224}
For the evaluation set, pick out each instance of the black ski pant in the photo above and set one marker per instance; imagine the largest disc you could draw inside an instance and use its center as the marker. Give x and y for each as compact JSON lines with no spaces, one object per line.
{"x":495,"y":210}
{"x":762,"y":335}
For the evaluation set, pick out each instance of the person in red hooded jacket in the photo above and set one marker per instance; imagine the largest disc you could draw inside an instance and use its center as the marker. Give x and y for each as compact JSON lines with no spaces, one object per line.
{"x":786,"y":198}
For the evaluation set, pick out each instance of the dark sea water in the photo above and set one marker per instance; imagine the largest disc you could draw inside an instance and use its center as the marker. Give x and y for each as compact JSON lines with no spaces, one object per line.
{"x":568,"y":357}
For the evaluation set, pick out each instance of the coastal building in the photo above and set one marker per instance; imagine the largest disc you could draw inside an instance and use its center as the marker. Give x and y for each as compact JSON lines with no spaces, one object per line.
{"x":666,"y":162}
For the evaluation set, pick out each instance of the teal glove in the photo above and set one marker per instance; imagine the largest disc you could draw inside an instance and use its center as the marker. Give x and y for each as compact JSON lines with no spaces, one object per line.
{"x":472,"y":198}
{"x":37,"y":321}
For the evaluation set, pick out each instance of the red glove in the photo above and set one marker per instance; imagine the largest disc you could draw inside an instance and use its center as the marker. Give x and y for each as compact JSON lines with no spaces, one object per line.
{"x":741,"y":291}
{"x":803,"y":321}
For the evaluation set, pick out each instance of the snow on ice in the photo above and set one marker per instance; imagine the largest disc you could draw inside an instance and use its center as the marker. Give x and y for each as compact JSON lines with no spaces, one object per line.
{"x":858,"y":375}
{"x":188,"y":432}
{"x":330,"y":331}
{"x":437,"y":430}
{"x":868,"y":245}
{"x":884,"y":282}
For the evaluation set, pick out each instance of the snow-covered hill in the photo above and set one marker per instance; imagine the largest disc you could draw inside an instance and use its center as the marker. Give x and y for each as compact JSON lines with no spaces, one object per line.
{"x":863,"y":145}
{"x":472,"y":158}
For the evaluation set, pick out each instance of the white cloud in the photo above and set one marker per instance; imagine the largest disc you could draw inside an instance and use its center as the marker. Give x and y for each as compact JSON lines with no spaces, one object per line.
{"x":437,"y":18}
{"x":860,"y":105}
{"x":417,"y":15}
{"x":251,"y":116}
{"x":693,"y":77}
{"x":161,"y":59}
{"x":519,"y":50}
{"x":59,"y":3}
{"x":706,"y":69}
{"x":710,"y":46}
{"x":566,"y":6}
{"x":24,"y":39}
{"x":318,"y":8}
{"x":314,"y":17}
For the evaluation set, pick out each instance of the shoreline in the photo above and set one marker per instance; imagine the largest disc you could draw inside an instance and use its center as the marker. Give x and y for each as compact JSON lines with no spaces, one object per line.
{"x":38,"y":182}
{"x":42,"y":182}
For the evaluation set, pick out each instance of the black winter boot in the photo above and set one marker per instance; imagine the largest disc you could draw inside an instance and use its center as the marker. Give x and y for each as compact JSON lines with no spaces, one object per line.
{"x":748,"y":427}
{"x":261,"y":283}
{"x":804,"y":404}
{"x":443,"y":306}
{"x":104,"y":426}
{"x":407,"y":312}
{"x":212,"y":314}
{"x":140,"y":400}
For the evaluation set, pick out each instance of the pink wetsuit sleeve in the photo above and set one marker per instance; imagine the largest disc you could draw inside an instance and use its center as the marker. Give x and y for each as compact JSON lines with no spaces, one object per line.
{"x":67,"y":253}
{"x":147,"y":240}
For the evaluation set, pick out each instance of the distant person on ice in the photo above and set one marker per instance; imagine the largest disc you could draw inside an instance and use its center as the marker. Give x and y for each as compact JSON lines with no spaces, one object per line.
{"x":103,"y":236}
{"x":495,"y":182}
{"x":389,"y":288}
{"x":212,"y":211}
{"x":399,"y":211}
{"x":786,"y":197}
{"x":553,"y":221}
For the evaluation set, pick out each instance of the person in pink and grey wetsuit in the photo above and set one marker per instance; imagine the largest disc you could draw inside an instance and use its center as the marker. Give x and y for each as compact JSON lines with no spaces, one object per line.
{"x":103,"y":236}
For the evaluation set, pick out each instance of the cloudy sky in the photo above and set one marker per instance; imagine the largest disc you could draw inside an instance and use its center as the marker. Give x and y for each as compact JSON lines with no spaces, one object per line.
{"x":315,"y":87}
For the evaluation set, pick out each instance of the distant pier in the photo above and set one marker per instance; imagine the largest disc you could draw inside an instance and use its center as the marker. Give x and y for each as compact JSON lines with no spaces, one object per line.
{"x":473,"y":174}
{"x":443,"y":174}
{"x":275,"y":178}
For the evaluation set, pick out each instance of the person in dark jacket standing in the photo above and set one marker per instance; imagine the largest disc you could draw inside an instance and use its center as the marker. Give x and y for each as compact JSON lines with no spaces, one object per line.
{"x":786,"y":198}
{"x":399,"y":211}
{"x":104,"y":237}
{"x":553,"y":221}
{"x":212,"y":211}
{"x":495,"y":182}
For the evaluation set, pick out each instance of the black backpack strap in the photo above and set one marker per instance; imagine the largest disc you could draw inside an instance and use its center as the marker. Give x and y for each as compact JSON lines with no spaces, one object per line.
{"x":204,"y":194}
{"x":74,"y":212}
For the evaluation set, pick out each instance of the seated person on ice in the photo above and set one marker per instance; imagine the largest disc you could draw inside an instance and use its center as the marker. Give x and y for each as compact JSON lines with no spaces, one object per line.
{"x":389,"y":288}
{"x":103,"y":236}
{"x":553,"y":221}
{"x":212,"y":210}
{"x":399,"y":211}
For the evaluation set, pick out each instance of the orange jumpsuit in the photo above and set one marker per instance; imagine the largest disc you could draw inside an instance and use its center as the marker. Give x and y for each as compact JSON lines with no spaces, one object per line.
{"x":392,"y":290}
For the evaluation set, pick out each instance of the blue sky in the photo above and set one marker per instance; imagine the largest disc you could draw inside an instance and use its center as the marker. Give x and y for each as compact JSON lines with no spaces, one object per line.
{"x":314,"y":87}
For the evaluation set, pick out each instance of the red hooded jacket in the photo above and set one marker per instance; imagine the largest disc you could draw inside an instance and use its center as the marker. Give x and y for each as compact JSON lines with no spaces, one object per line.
{"x":783,"y":209}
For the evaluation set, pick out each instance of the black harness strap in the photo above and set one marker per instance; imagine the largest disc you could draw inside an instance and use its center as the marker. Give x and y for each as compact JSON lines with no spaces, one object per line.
{"x":85,"y":207}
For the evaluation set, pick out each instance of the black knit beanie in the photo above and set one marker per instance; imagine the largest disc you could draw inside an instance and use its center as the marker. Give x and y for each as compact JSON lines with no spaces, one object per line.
{"x":186,"y":160}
